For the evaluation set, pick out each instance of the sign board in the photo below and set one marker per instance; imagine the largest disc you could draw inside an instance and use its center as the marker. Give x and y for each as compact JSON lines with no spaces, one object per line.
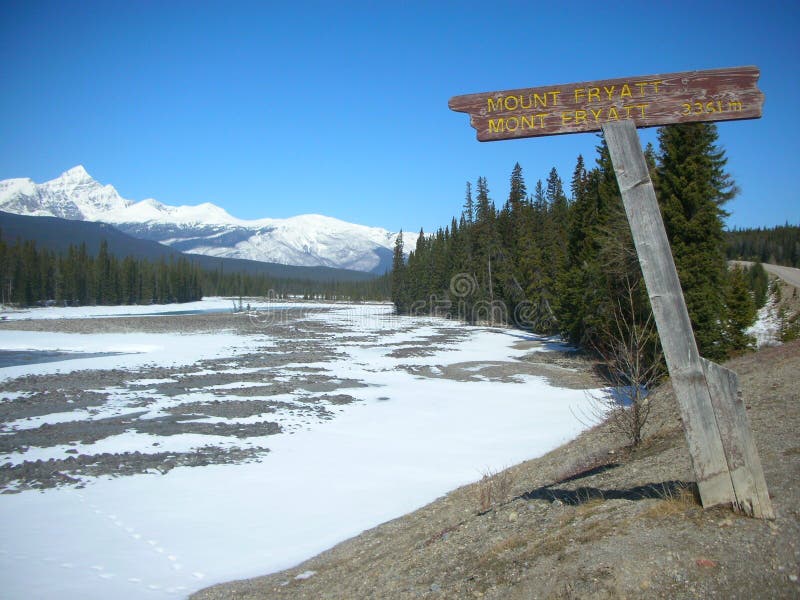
{"x":724,"y":456}
{"x":649,"y":100}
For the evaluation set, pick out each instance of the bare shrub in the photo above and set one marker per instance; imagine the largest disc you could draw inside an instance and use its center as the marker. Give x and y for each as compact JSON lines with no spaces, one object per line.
{"x":493,"y":489}
{"x":633,"y":362}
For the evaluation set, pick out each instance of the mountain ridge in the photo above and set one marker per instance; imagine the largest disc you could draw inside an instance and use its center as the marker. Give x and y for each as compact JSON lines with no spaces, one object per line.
{"x":206,"y":229}
{"x":58,"y":234}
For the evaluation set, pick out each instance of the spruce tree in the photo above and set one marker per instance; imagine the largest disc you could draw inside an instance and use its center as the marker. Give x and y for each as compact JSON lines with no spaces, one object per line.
{"x":741,"y":312}
{"x":517,"y":193}
{"x":516,"y":239}
{"x":578,"y":181}
{"x":398,"y":292}
{"x":758,"y":282}
{"x":468,"y":212}
{"x":557,"y":222}
{"x":487,"y":242}
{"x":692,"y":188}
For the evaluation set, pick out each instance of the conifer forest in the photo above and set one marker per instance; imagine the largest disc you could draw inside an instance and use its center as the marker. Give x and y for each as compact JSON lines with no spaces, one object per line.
{"x":31,"y":275}
{"x":559,"y":258}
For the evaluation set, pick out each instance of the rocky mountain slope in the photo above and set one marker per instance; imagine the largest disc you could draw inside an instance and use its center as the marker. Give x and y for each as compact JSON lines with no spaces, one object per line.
{"x":207,"y":229}
{"x":58,"y":235}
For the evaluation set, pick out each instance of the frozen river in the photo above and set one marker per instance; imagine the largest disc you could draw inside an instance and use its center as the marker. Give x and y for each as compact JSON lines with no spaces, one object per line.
{"x":213,"y":446}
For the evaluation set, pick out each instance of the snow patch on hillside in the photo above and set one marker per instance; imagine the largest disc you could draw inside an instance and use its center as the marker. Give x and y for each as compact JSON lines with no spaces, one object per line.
{"x":767,"y":328}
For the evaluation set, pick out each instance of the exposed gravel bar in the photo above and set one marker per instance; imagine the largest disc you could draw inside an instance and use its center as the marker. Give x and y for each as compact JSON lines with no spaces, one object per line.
{"x":231,"y":404}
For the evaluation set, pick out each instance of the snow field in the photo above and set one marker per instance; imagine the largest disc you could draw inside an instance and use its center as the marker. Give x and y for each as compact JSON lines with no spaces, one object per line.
{"x":407,"y":441}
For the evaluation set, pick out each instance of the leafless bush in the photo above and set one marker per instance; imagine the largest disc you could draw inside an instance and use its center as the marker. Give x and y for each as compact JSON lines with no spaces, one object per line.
{"x":631,"y":353}
{"x":494,"y":488}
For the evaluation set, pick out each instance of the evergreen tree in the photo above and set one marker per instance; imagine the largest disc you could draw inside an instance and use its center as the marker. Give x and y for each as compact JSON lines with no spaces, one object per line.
{"x":539,"y":199}
{"x":468,"y":213}
{"x":557,"y":223}
{"x":516,"y":236}
{"x":741,"y":312}
{"x":6,"y":276}
{"x":692,"y":188}
{"x":583,"y":300}
{"x":106,"y":292}
{"x":758,"y":282}
{"x":517,"y":193}
{"x":578,"y":181}
{"x":487,"y":247}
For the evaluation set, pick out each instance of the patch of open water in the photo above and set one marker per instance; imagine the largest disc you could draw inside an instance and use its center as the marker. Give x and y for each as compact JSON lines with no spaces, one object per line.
{"x":14,"y":358}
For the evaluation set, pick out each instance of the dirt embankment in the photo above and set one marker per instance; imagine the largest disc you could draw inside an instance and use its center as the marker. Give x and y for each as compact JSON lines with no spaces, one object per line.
{"x":588,"y":520}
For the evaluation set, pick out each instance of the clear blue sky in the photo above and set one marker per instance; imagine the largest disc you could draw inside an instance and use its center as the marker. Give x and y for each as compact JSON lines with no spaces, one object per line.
{"x":273,"y":109}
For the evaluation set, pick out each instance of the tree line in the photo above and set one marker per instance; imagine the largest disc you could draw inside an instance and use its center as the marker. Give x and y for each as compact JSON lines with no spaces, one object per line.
{"x":562,"y":261}
{"x":30,"y":275}
{"x":775,"y":245}
{"x":217,"y":282}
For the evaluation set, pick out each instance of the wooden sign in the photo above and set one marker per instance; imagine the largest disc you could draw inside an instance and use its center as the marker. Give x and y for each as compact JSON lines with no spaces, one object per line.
{"x":724,"y":456}
{"x":648,"y":101}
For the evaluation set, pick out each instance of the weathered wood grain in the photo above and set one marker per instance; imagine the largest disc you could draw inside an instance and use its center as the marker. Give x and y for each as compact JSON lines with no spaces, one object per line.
{"x":671,"y":315}
{"x":648,"y":100}
{"x":744,"y":464}
{"x":724,"y":456}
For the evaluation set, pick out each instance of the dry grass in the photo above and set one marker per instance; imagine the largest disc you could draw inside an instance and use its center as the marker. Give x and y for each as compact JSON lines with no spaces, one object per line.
{"x":673,"y":502}
{"x":493,"y":489}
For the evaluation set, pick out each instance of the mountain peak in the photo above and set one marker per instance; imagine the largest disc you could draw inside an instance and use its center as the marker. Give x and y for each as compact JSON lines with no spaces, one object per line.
{"x":76,"y":173}
{"x":305,"y":240}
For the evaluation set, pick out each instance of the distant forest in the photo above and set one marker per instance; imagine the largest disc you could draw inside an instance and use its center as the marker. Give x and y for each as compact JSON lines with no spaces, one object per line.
{"x":30,"y":275}
{"x":559,"y":261}
{"x":776,"y":245}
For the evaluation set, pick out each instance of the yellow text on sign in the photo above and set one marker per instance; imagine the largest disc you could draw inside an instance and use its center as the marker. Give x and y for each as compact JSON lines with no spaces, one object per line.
{"x":523,"y":101}
{"x":603,"y":115}
{"x":637,"y":89}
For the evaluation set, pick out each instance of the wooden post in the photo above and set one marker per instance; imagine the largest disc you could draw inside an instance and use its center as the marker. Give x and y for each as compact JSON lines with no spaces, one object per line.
{"x":724,"y":456}
{"x":744,"y":464}
{"x":714,"y":419}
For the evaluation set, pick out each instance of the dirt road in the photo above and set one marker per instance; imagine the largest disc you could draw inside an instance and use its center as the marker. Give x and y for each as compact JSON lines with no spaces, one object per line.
{"x":788,"y":274}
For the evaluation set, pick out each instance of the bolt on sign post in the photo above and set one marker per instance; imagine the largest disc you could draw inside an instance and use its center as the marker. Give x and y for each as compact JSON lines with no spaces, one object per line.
{"x":724,"y":456}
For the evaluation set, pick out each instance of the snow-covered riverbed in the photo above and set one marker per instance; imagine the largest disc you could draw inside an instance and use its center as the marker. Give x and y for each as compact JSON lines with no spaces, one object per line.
{"x":404,"y":410}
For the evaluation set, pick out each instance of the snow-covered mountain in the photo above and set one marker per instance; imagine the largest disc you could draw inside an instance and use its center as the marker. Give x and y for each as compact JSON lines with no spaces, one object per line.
{"x":305,"y":240}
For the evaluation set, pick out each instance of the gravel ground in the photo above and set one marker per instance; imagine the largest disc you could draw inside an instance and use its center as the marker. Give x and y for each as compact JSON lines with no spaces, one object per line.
{"x":591,"y":519}
{"x":249,"y":386}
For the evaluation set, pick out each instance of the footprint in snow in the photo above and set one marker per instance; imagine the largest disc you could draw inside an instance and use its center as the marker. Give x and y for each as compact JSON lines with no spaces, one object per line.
{"x":131,"y":532}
